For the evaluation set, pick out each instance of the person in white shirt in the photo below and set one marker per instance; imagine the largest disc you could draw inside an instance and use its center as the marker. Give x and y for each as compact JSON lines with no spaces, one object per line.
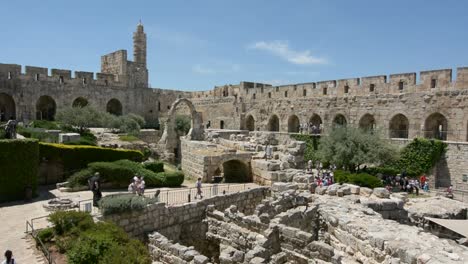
{"x":9,"y":258}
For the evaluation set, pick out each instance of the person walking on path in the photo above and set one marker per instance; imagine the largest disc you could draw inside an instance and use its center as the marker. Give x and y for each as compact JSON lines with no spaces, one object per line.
{"x":9,"y":258}
{"x":199,"y":190}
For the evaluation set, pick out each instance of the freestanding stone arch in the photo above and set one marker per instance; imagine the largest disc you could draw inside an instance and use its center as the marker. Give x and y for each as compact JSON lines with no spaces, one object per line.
{"x":169,"y":139}
{"x":7,"y":107}
{"x":250,"y":123}
{"x":339,"y":121}
{"x":293,"y":124}
{"x":80,"y":102}
{"x":399,"y":126}
{"x":436,"y":126}
{"x":45,"y":108}
{"x":273,"y":123}
{"x":114,"y":107}
{"x":367,"y":122}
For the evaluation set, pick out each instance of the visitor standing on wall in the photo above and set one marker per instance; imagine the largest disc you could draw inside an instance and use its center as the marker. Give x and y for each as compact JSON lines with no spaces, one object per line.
{"x":9,"y":258}
{"x":141,"y":186}
{"x":95,"y":185}
{"x":198,"y":185}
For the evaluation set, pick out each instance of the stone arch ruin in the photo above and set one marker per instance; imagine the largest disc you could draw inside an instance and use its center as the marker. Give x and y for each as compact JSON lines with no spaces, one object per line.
{"x":293,"y":124}
{"x":339,"y":121}
{"x":436,"y":126}
{"x":367,"y":122}
{"x":250,"y":123}
{"x":273,"y":123}
{"x":45,"y":108}
{"x":399,"y":126}
{"x":236,"y":171}
{"x":80,"y":102}
{"x":7,"y":107}
{"x":114,"y":107}
{"x":169,"y":139}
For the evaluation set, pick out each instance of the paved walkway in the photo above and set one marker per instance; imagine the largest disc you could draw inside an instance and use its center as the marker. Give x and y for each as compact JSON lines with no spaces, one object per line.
{"x":14,"y":216}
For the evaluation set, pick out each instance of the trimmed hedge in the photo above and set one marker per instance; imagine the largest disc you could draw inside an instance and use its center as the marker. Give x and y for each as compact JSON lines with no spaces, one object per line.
{"x":19,"y":163}
{"x":156,"y":166}
{"x":123,"y":203}
{"x":361,"y":179}
{"x":74,"y":157}
{"x":121,"y":172}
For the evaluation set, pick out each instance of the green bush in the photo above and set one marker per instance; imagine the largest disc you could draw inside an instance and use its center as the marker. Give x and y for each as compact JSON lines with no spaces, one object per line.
{"x":312,"y":142}
{"x":80,"y":178}
{"x":50,"y":125}
{"x":122,"y":203}
{"x":64,"y":221}
{"x":156,"y":166}
{"x":36,"y":133}
{"x":46,"y":234}
{"x":172,"y":179}
{"x":361,"y":179}
{"x":19,"y":162}
{"x":74,"y":158}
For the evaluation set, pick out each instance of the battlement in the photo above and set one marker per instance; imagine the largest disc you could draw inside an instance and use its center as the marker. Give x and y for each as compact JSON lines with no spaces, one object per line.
{"x":379,"y":84}
{"x":14,"y":71}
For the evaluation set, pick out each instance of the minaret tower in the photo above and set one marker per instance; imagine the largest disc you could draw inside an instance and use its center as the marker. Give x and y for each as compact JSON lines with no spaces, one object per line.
{"x":139,"y":46}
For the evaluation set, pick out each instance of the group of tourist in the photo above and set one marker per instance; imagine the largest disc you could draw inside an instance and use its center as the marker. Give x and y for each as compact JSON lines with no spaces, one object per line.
{"x":405,"y":184}
{"x":137,"y":186}
{"x":10,"y":128}
{"x":309,"y":128}
{"x":323,"y":177}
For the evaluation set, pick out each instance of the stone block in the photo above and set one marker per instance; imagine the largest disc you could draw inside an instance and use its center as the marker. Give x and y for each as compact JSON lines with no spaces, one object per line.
{"x":68,"y":137}
{"x":381,"y":192}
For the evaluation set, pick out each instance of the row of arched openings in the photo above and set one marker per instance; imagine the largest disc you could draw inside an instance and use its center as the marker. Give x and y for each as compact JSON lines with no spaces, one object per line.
{"x":46,"y":107}
{"x":435,"y":126}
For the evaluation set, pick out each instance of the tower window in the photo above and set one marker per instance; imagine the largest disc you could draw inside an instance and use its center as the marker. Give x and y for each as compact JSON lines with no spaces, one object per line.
{"x":159,"y":106}
{"x":10,"y":76}
{"x":254,"y":96}
{"x":304,"y":92}
{"x":433,"y":83}
{"x":346,"y":89}
{"x":324,"y":90}
{"x":36,"y":77}
{"x":277,"y":89}
{"x":285,"y":93}
{"x":295,"y":88}
{"x":106,"y":82}
{"x":168,"y":107}
{"x":84,"y":80}
{"x":371,"y":87}
{"x":61,"y":79}
{"x":401,"y":85}
{"x":269,"y":95}
{"x":334,"y":83}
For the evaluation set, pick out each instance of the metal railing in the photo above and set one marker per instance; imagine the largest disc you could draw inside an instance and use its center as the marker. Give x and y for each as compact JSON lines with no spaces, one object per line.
{"x":30,"y":229}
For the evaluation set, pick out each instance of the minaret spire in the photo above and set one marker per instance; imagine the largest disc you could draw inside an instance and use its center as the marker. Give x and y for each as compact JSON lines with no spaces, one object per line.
{"x":139,"y":45}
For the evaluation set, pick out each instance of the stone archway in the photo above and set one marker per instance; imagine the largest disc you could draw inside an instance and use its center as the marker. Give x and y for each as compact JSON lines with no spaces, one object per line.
{"x":7,"y":107}
{"x":273,"y":123}
{"x":45,"y":108}
{"x":399,"y":126}
{"x":80,"y":102}
{"x":436,"y":126}
{"x":367,"y":122}
{"x":114,"y":107}
{"x":169,"y":139}
{"x":250,"y":123}
{"x":339,"y":121}
{"x":293,"y":124}
{"x":236,"y":171}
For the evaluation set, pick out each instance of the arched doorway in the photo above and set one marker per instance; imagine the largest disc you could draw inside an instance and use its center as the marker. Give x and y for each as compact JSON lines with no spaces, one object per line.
{"x":399,"y":126}
{"x":436,"y":126}
{"x":7,"y":107}
{"x":315,"y":124}
{"x":273,"y":123}
{"x":293,"y":124}
{"x":250,"y":123}
{"x":236,"y":171}
{"x":339,"y":121}
{"x":80,"y":102}
{"x":114,"y":107}
{"x":45,"y":108}
{"x":367,"y":122}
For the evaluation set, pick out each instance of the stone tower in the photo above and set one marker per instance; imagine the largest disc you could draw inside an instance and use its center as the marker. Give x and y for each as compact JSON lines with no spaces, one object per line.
{"x":139,"y":46}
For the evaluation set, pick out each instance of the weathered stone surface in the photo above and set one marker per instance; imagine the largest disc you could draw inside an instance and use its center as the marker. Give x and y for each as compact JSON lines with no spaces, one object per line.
{"x":381,"y":193}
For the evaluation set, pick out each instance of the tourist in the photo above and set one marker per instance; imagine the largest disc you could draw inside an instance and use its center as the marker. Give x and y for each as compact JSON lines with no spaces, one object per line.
{"x":426,"y":187}
{"x":9,"y":258}
{"x":10,"y":128}
{"x":423,"y":179}
{"x":95,"y":188}
{"x":198,"y":185}
{"x":309,"y":166}
{"x":268,"y":152}
{"x":141,"y":186}
{"x":449,"y":192}
{"x":132,"y":187}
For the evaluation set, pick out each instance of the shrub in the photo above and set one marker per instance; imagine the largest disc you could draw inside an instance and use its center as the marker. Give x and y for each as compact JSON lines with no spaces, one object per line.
{"x":156,"y":166}
{"x":64,"y":221}
{"x":122,"y":203}
{"x":172,"y":179}
{"x":312,"y":142}
{"x":36,"y":133}
{"x":19,"y":162}
{"x":134,"y":252}
{"x":46,"y":234}
{"x":80,"y":178}
{"x":74,"y":158}
{"x":361,"y":179}
{"x":50,"y":125}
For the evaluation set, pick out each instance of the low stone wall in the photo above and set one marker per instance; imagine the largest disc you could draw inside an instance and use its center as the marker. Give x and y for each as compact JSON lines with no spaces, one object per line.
{"x":172,"y":221}
{"x":168,"y":252}
{"x":150,"y":135}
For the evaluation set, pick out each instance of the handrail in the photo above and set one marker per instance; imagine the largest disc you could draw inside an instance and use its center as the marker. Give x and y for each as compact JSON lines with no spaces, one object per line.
{"x":34,"y":233}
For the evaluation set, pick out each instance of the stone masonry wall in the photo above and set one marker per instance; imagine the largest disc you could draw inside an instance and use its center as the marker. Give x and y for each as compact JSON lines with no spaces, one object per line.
{"x":171,"y":221}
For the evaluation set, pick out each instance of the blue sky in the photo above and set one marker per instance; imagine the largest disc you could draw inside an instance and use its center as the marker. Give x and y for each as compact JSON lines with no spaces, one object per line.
{"x":194,"y":45}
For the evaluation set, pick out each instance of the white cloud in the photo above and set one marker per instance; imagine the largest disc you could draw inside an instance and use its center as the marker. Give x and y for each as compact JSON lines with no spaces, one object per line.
{"x":202,"y":69}
{"x":282,"y":50}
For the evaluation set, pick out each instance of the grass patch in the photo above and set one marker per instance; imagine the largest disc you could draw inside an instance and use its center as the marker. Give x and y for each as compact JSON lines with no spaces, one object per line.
{"x":128,"y":138}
